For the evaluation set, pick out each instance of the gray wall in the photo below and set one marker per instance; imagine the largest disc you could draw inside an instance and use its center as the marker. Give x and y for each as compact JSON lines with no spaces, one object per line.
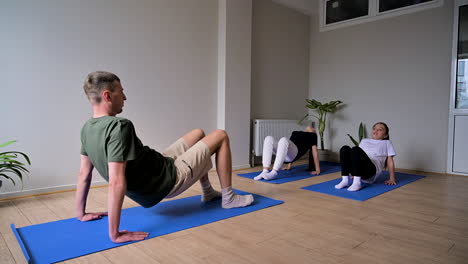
{"x":280,"y":61}
{"x":395,"y":70}
{"x":164,"y":52}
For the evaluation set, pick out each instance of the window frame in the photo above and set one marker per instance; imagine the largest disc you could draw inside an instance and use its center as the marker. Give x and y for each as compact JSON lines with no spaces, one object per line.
{"x":373,"y":13}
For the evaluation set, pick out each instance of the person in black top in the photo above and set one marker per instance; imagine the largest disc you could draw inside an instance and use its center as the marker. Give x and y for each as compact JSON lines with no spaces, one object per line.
{"x":289,"y":151}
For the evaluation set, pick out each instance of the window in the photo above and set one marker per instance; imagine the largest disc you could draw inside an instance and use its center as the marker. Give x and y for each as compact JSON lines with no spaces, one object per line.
{"x":340,"y":10}
{"x":340,"y":13}
{"x":461,"y":94}
{"x":388,"y":5}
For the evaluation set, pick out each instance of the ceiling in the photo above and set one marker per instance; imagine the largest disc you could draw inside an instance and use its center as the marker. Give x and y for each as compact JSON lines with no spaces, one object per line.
{"x":308,"y":7}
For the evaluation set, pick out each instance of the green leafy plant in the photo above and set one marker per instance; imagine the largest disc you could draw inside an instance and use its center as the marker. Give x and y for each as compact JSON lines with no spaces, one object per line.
{"x":322,"y":110}
{"x":361,"y":134}
{"x":10,"y":165}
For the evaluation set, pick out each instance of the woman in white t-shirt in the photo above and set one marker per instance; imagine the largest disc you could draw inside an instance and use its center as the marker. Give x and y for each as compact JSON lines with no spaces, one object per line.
{"x":367,"y":161}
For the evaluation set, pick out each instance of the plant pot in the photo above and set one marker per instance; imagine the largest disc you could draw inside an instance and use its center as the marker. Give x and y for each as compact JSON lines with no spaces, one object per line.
{"x":325,"y":155}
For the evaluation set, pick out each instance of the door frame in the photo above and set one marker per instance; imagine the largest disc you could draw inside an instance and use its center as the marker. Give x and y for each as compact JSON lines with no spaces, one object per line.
{"x":453,"y":83}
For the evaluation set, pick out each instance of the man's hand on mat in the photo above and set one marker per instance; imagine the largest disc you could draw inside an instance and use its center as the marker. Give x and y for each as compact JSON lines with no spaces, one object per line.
{"x":125,"y":236}
{"x":315,"y":172}
{"x":92,"y":216}
{"x":390,"y":182}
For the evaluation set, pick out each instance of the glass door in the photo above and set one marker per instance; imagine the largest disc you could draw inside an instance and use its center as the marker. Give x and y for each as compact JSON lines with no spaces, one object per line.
{"x":457,"y":161}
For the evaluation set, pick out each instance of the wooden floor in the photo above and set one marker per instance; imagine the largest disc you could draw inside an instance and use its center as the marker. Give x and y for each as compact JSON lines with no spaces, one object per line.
{"x":423,"y":222}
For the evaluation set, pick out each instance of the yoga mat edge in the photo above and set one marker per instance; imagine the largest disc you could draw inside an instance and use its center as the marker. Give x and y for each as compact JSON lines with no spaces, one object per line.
{"x":20,"y":242}
{"x":37,"y":252}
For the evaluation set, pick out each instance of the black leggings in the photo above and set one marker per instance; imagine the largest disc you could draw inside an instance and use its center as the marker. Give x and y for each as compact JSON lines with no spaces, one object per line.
{"x":355,"y":161}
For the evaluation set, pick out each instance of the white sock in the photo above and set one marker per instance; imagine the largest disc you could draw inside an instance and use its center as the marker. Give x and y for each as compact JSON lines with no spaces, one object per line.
{"x":208,"y":192}
{"x":232,"y":200}
{"x":356,"y":186}
{"x":261,"y":175}
{"x":344,"y":182}
{"x":271,"y":175}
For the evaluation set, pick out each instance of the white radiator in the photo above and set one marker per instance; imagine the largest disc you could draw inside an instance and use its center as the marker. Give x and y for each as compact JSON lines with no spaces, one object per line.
{"x":274,"y":128}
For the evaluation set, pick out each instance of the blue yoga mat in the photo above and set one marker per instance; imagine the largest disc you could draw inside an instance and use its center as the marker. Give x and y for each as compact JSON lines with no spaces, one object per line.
{"x":71,"y":238}
{"x":297,"y":173}
{"x":368,"y":191}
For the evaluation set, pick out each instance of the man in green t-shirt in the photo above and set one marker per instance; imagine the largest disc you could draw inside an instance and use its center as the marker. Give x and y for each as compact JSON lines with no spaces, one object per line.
{"x":110,"y":144}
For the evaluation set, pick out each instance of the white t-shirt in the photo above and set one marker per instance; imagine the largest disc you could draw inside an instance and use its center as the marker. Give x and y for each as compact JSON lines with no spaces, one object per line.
{"x":378,"y":151}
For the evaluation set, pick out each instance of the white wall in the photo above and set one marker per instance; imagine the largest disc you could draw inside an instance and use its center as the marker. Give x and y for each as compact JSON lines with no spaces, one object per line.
{"x":164,"y":52}
{"x":234,"y":60}
{"x":304,"y":6}
{"x":395,"y":70}
{"x":280,"y":61}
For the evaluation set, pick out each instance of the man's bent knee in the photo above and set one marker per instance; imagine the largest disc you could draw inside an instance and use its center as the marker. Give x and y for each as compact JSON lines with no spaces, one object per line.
{"x":221,"y":134}
{"x":199,"y":132}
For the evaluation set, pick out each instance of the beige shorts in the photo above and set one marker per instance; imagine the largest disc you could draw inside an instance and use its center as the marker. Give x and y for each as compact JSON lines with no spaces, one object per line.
{"x":191,"y":164}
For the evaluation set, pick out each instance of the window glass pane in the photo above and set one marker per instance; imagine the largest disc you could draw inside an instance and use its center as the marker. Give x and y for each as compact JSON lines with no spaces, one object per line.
{"x":462,"y":56}
{"x":340,"y":10}
{"x":387,"y":5}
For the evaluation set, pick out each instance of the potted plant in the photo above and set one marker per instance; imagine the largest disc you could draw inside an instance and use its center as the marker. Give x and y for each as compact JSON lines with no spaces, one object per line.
{"x":361,"y":135}
{"x":10,"y":165}
{"x":322,"y":110}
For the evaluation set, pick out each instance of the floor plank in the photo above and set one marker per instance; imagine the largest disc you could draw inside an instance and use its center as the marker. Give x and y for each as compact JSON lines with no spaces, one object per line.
{"x":14,"y":248}
{"x":5,"y":253}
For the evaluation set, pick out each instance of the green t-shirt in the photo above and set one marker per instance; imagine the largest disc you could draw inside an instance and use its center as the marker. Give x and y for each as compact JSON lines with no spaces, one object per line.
{"x":150,"y":176}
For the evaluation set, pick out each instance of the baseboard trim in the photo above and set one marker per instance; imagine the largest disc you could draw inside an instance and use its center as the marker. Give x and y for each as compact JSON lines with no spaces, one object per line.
{"x":241,"y":167}
{"x":420,"y":171}
{"x":234,"y":168}
{"x":44,"y":191}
